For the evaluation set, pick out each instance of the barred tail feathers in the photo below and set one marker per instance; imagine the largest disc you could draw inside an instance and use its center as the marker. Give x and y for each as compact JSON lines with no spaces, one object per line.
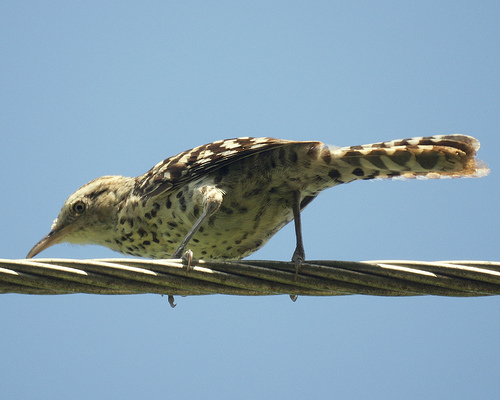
{"x":431,"y":157}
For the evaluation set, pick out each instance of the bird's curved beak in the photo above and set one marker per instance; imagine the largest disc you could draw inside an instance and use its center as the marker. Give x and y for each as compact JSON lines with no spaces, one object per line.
{"x":53,"y":237}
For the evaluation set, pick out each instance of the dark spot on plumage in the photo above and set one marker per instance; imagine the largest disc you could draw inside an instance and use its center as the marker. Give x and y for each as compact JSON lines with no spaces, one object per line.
{"x":204,"y":252}
{"x":131,"y":222}
{"x":256,"y":220}
{"x":196,"y":211}
{"x":201,"y":229}
{"x":326,"y":156}
{"x":179,"y":194}
{"x":193,"y":156}
{"x":313,"y":151}
{"x":352,"y":157}
{"x":318,"y":179}
{"x":352,"y":153}
{"x":142,"y":232}
{"x":400,"y":157}
{"x":118,"y":242}
{"x":292,"y":156}
{"x":195,"y":240}
{"x":146,"y":243}
{"x":237,"y":242}
{"x":229,"y":247}
{"x":373,"y":175}
{"x":97,"y":193}
{"x":427,"y":160}
{"x":358,"y":172}
{"x":281,"y":155}
{"x":334,"y":174}
{"x":226,"y":210}
{"x":175,"y":171}
{"x":172,"y":224}
{"x":182,"y":203}
{"x":156,"y":206}
{"x":168,"y":203}
{"x":122,"y":220}
{"x":155,"y":238}
{"x":375,"y":157}
{"x":153,"y":212}
{"x":147,"y":216}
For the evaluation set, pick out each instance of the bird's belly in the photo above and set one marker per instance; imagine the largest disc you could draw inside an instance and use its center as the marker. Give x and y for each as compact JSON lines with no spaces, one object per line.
{"x":238,"y":228}
{"x":234,"y":233}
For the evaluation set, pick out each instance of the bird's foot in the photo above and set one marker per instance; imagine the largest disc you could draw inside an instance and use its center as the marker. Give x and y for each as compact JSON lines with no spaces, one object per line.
{"x":298,"y":258}
{"x":187,"y":257}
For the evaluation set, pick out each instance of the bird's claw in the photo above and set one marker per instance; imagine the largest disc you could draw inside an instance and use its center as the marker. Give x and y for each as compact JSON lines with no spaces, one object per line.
{"x":171,"y":301}
{"x":187,"y":257}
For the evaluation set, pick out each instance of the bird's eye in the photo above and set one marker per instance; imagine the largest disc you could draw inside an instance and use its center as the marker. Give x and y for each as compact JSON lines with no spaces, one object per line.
{"x":79,"y":207}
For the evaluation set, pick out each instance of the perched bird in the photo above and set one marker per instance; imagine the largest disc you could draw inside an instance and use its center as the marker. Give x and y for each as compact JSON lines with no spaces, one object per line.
{"x":226,"y":199}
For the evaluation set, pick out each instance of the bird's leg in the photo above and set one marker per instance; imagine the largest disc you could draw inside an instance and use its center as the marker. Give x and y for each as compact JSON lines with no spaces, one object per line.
{"x":212,"y":199}
{"x":299,"y":255}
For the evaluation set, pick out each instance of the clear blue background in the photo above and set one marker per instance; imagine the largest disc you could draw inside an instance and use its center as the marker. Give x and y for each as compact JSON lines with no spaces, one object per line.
{"x":95,"y":88}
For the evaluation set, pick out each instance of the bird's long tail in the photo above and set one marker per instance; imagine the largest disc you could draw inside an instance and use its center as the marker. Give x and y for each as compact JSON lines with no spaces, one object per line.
{"x":431,"y":157}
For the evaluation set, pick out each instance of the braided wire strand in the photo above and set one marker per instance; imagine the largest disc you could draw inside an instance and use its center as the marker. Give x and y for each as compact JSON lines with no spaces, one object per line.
{"x":250,"y":277}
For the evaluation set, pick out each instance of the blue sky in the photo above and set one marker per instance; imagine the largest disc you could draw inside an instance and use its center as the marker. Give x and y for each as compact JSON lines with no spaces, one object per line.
{"x":97,"y":88}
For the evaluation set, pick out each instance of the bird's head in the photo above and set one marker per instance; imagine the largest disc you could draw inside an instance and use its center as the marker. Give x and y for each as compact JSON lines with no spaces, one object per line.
{"x":89,"y":215}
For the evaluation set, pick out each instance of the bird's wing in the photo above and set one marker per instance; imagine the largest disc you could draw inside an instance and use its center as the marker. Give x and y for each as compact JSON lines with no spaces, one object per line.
{"x":202,"y":160}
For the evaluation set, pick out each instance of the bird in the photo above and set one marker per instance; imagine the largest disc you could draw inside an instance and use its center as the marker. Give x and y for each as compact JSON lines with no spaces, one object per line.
{"x":225,"y":200}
